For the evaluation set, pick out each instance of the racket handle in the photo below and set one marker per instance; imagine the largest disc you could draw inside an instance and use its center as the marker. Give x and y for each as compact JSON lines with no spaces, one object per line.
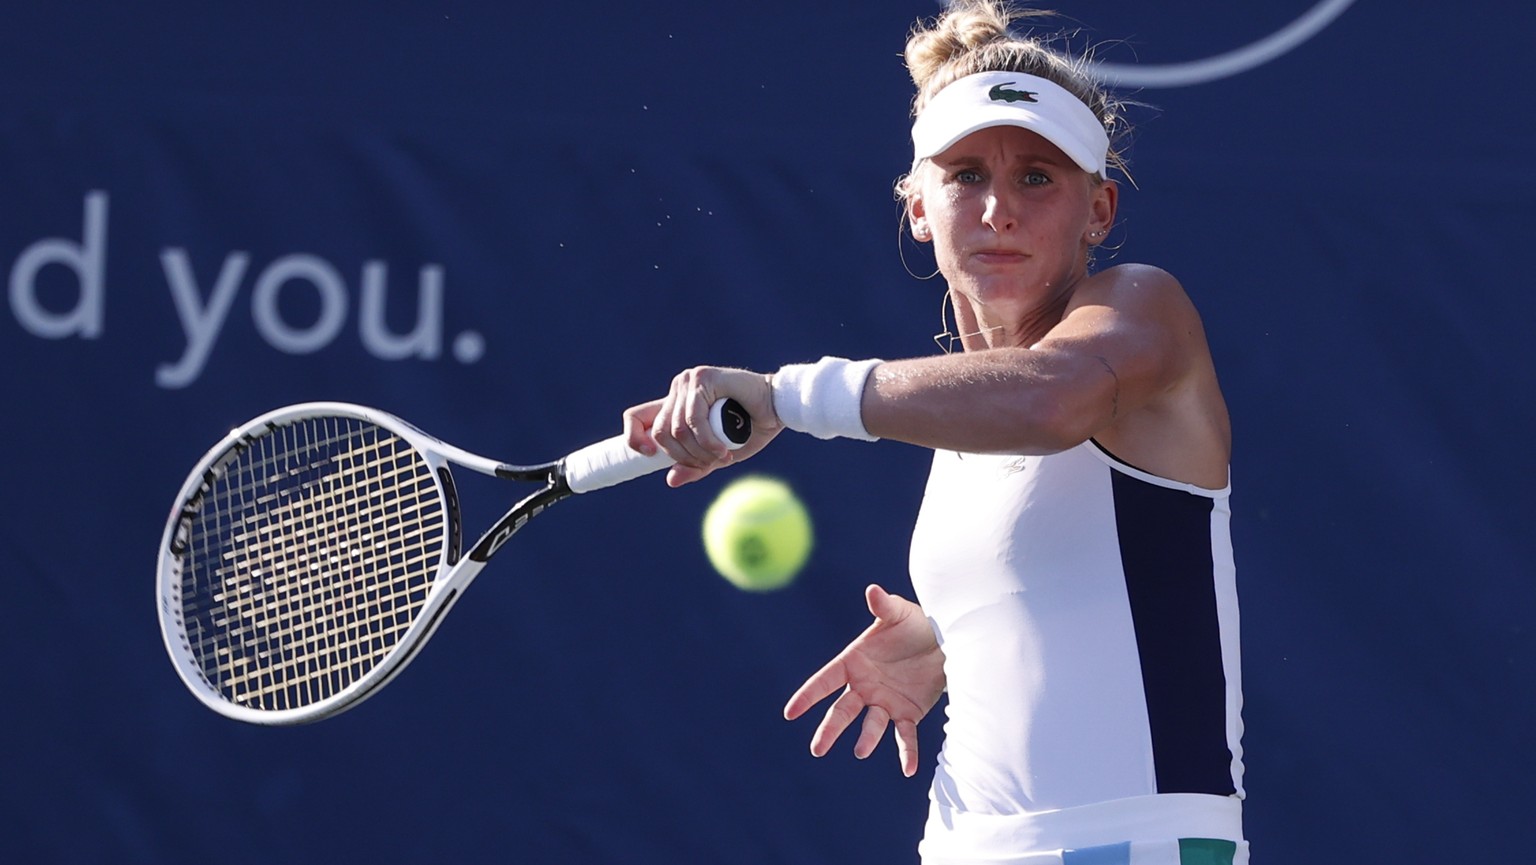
{"x":612,"y":461}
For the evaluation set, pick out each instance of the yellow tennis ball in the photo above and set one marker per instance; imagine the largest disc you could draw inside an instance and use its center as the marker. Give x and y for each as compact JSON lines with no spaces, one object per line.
{"x":757,"y":533}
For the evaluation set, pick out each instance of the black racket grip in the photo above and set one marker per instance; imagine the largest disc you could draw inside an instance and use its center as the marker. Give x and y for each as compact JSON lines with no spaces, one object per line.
{"x":730,"y":420}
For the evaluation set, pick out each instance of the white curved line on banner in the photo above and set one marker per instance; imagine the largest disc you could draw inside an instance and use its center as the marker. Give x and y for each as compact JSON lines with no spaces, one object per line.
{"x":1224,"y":65}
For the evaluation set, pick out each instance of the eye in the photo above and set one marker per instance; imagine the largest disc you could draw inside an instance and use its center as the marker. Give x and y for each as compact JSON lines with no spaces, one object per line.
{"x":1036,"y":178}
{"x":967,"y":175}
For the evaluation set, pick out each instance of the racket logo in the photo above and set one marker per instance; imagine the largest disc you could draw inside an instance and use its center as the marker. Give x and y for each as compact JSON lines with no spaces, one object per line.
{"x":497,"y":537}
{"x":736,"y":422}
{"x":496,"y":541}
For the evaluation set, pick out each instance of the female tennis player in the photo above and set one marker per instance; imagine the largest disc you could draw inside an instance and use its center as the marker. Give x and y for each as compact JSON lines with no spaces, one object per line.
{"x":1071,"y":556}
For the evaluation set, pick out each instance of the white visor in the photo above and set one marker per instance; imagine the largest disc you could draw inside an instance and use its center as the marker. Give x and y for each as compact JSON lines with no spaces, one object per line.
{"x":1011,"y":99}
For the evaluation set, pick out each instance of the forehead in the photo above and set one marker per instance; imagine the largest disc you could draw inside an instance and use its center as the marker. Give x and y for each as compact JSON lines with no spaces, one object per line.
{"x":1006,"y":143}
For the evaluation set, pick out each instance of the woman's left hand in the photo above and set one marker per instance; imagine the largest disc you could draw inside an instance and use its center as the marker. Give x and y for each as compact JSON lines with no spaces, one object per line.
{"x":893,"y":672}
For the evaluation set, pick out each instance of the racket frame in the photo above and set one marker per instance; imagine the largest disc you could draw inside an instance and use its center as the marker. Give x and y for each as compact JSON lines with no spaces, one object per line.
{"x":454,"y":572}
{"x":596,"y":466}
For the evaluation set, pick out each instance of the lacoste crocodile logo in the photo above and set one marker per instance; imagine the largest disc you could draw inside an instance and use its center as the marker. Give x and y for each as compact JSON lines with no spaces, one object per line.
{"x":1001,"y":93}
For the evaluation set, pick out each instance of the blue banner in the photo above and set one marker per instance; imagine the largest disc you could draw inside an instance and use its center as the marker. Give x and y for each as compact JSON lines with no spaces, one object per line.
{"x":508,"y":224}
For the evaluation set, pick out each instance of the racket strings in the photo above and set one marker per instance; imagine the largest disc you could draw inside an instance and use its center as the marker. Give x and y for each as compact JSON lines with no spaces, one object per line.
{"x":311,"y":556}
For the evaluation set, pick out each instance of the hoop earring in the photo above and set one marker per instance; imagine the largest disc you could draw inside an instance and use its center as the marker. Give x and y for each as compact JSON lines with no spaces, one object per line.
{"x":901,"y":250}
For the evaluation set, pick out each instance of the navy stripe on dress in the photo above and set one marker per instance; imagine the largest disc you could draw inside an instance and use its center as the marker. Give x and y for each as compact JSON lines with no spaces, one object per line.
{"x":1165,"y":549}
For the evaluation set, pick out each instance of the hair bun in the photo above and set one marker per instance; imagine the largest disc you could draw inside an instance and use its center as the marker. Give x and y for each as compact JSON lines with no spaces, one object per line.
{"x":972,"y":36}
{"x":967,"y":26}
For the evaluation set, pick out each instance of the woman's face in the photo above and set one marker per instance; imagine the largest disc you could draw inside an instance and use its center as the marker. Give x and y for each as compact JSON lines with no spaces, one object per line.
{"x":1009,"y":216}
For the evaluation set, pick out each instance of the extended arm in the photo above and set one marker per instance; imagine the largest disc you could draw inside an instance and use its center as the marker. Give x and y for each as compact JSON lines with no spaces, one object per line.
{"x":1128,"y":339}
{"x":1125,"y":339}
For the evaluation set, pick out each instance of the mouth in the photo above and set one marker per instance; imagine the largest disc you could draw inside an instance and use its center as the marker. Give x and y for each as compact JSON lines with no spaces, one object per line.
{"x":999,"y":256}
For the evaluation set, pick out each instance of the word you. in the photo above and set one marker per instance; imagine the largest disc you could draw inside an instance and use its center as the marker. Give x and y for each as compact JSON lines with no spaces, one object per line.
{"x":204,"y":312}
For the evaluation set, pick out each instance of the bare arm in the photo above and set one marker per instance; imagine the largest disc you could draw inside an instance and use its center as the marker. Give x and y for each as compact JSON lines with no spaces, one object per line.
{"x":1114,"y":367}
{"x":1124,"y":341}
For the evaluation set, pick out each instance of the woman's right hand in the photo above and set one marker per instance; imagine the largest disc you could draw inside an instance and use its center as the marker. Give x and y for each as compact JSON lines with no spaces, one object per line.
{"x":679,"y":422}
{"x":893,"y":672}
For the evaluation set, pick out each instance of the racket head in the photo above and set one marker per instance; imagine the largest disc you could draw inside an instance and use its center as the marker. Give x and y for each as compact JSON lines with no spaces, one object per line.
{"x":299,"y":568}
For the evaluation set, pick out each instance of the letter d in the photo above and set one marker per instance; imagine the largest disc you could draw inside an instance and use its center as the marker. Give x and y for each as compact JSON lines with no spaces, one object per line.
{"x":87,"y":259}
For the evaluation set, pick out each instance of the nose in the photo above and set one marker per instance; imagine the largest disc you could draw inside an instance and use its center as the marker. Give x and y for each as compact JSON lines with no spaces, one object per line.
{"x":1001,"y":212}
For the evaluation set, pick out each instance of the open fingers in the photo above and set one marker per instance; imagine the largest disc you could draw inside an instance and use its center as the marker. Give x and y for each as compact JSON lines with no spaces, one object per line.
{"x":824,"y":683}
{"x":841,"y":714}
{"x":906,"y":747}
{"x":844,"y":711}
{"x":876,"y":720}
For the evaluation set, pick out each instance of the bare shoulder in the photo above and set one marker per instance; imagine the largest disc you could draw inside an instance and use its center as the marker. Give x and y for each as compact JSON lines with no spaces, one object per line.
{"x":1175,"y":424}
{"x":1135,"y":288}
{"x":1142,"y":307}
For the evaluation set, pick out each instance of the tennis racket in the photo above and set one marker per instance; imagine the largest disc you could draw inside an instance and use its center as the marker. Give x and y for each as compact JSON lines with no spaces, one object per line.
{"x":315,"y":550}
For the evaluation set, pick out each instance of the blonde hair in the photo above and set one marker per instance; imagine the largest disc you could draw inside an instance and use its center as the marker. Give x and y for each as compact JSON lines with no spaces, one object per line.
{"x":973,"y":36}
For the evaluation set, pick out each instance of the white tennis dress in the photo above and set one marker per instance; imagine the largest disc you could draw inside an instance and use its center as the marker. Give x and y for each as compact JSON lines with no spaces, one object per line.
{"x":1088,"y":616}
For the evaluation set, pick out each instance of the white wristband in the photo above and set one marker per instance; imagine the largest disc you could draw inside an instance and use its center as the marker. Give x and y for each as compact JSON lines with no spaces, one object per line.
{"x":823,"y":398}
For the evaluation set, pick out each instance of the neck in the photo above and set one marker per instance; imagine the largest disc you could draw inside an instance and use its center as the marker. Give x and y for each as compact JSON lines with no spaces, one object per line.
{"x":980,"y":329}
